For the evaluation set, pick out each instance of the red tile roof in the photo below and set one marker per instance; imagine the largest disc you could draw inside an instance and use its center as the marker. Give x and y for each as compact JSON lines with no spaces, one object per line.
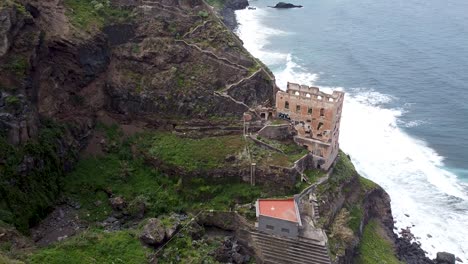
{"x":284,"y":209}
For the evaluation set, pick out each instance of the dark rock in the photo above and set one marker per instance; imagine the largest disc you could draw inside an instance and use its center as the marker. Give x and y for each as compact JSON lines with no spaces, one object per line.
{"x":118,"y":203}
{"x":230,"y":158}
{"x":286,"y":5}
{"x":407,"y":215}
{"x":458,"y":259}
{"x":153,"y":233}
{"x":171,"y":229}
{"x":237,"y":258}
{"x":195,"y":230}
{"x":445,"y":258}
{"x":227,"y":13}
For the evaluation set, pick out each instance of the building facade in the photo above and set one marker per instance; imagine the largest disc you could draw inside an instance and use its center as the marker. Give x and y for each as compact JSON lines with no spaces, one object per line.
{"x":278,"y":217}
{"x":316,"y":117}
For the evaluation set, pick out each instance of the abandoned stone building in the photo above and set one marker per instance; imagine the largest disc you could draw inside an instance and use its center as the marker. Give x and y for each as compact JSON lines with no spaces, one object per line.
{"x":316,"y":118}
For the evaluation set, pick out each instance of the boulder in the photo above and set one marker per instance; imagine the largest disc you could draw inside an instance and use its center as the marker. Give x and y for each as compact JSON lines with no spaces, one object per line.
{"x":195,"y":230}
{"x":445,"y":258}
{"x":153,"y":232}
{"x":118,"y":203}
{"x":285,"y":5}
{"x":172,"y":228}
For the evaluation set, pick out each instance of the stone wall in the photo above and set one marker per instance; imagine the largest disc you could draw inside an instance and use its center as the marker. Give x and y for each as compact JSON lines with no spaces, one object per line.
{"x":277,"y":132}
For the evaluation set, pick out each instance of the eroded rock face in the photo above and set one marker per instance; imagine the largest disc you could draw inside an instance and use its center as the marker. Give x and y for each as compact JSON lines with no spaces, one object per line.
{"x":5,"y":27}
{"x":153,"y":233}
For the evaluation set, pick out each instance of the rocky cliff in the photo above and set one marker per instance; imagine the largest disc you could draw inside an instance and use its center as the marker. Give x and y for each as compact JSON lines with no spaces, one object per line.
{"x":156,"y":63}
{"x":88,"y":75}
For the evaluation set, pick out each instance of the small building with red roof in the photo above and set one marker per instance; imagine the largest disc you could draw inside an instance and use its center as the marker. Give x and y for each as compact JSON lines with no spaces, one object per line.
{"x":278,"y":216}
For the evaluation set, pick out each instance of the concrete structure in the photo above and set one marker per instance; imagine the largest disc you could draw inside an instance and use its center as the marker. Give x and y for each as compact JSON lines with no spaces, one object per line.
{"x":316,"y":118}
{"x":279,"y":217}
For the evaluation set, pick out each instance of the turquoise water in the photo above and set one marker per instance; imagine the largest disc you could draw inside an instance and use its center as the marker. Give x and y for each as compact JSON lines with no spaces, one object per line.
{"x":404,"y":68}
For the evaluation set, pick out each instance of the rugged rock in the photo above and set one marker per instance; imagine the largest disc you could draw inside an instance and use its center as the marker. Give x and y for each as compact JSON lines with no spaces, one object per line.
{"x":173,"y":226}
{"x":118,"y":203}
{"x":231,"y":252}
{"x":286,"y":5}
{"x":445,"y":258}
{"x":159,"y":67}
{"x":227,"y":12}
{"x":153,"y":232}
{"x":195,"y":230}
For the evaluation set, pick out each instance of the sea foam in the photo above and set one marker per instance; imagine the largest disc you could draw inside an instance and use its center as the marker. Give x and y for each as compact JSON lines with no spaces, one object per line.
{"x":413,"y":174}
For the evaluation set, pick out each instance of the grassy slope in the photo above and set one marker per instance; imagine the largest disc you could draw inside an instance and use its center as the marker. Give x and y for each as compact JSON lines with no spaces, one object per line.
{"x":87,"y":14}
{"x":374,"y":248}
{"x":194,"y":154}
{"x":95,"y":247}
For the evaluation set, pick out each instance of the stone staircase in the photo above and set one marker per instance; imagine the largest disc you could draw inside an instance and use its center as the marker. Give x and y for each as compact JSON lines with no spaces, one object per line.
{"x":280,"y":250}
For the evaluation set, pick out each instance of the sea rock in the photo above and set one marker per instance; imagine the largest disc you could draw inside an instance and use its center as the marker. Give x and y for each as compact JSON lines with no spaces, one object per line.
{"x":285,"y":5}
{"x":153,"y":232}
{"x":445,"y":258}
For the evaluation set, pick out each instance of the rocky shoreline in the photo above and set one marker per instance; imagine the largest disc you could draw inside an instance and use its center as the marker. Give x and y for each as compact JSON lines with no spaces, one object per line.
{"x":228,"y":12}
{"x":406,"y":248}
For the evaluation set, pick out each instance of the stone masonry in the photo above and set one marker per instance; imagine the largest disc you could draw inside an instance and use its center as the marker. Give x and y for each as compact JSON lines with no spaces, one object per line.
{"x":316,"y":118}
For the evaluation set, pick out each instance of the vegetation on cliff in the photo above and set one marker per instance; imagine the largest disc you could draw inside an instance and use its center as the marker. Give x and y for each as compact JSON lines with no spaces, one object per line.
{"x":32,"y":176}
{"x":86,"y":14}
{"x":374,"y":248}
{"x":95,"y":246}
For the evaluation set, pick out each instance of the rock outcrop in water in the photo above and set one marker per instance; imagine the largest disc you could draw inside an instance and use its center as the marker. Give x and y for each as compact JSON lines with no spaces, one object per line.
{"x":285,"y":5}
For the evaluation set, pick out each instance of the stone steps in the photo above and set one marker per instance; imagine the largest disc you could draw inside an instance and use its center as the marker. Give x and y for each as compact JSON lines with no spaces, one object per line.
{"x":280,"y":250}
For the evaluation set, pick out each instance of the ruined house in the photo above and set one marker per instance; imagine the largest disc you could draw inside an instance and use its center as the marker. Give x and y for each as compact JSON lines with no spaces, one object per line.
{"x":316,"y":118}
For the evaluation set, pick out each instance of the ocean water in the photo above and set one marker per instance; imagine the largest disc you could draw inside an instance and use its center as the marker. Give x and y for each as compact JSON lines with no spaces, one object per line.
{"x":404,"y":67}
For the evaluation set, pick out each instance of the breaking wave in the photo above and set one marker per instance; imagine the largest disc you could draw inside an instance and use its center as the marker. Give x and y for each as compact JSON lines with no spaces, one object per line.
{"x":425,"y":195}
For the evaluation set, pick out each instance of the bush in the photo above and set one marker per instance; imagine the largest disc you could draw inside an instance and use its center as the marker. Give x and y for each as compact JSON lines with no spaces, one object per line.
{"x":203,"y":14}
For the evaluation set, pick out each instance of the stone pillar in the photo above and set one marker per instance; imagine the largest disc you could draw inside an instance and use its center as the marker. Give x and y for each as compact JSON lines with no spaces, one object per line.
{"x":252,"y":173}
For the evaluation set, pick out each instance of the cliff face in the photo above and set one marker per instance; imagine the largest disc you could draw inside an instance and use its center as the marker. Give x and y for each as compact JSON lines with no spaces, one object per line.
{"x":358,"y":218}
{"x":152,"y":62}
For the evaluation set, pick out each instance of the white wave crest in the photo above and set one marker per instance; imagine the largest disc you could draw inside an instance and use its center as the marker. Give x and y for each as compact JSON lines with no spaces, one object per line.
{"x":410,"y":171}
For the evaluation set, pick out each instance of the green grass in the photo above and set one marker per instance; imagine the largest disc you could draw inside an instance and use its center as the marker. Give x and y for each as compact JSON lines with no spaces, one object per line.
{"x":14,"y":3}
{"x":183,"y":249}
{"x":216,"y":3}
{"x":373,"y":248}
{"x":26,"y":196}
{"x":343,"y":170}
{"x":193,"y":154}
{"x":367,"y":184}
{"x":291,"y":152}
{"x":136,"y":181}
{"x":18,"y":65}
{"x":356,"y":215}
{"x":95,"y":247}
{"x":86,"y":14}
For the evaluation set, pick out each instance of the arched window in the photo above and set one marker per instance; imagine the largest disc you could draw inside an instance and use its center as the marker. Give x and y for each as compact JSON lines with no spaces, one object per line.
{"x":322,"y":112}
{"x":308,"y":95}
{"x":286,"y":105}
